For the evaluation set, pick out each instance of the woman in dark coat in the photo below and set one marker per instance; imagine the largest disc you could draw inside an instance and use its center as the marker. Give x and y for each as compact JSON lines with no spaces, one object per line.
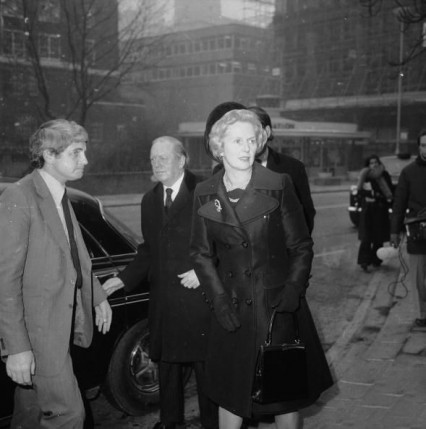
{"x":252,"y":253}
{"x":376,"y":192}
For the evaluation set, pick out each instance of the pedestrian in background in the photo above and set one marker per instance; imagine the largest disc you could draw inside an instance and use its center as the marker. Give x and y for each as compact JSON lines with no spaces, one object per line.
{"x":47,"y":290}
{"x":252,"y":253}
{"x":410,"y":195}
{"x":375,"y":189}
{"x":178,"y":316}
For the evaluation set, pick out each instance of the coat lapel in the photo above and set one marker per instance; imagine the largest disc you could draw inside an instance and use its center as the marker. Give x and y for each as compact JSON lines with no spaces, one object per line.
{"x":252,"y":205}
{"x":50,"y":212}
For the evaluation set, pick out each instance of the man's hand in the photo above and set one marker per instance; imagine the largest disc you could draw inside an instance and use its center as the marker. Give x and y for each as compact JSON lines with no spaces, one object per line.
{"x":395,"y":240}
{"x":20,"y":367}
{"x":189,"y":279}
{"x":103,"y":316}
{"x":112,"y":285}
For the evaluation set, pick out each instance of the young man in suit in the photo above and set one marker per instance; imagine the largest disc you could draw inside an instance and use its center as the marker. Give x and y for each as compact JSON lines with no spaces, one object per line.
{"x":47,"y":290}
{"x":178,"y":314}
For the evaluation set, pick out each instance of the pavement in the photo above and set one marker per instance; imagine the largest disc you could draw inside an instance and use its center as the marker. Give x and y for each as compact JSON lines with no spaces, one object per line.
{"x":378,"y":362}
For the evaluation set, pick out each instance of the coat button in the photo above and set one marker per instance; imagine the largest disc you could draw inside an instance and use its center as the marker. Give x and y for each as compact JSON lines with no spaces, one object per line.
{"x":230,"y":274}
{"x":247,"y":273}
{"x":227,"y":246}
{"x":249,"y":301}
{"x":244,"y":244}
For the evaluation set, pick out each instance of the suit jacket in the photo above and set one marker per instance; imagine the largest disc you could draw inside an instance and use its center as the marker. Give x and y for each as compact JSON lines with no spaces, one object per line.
{"x":38,"y":278}
{"x":281,"y":163}
{"x":178,"y":317}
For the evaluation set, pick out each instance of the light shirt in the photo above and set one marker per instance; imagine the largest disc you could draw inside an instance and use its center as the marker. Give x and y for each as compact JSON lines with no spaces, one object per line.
{"x":175,"y":187}
{"x":57,"y":189}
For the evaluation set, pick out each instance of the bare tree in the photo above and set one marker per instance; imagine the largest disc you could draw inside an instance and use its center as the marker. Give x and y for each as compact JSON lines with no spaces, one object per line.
{"x":84,"y":36}
{"x":411,"y":14}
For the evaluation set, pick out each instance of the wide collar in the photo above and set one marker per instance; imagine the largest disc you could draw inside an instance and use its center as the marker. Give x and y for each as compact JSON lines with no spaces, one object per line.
{"x":251,"y":206}
{"x":181,"y":200}
{"x":49,"y":210}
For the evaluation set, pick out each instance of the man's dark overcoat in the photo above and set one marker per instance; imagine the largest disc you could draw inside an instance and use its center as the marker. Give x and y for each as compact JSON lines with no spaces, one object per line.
{"x":281,"y":163}
{"x":257,"y":253}
{"x":178,"y":316}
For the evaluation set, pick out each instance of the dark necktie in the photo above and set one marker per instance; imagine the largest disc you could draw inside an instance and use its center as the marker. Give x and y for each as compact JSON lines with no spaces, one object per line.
{"x":169,"y":200}
{"x":73,"y":244}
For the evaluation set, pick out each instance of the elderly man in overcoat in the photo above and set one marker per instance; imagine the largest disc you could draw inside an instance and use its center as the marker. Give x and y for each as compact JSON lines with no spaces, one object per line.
{"x":178,"y":316}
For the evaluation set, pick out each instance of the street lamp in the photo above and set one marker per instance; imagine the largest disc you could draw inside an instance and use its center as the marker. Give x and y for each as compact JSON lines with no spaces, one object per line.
{"x":399,"y":95}
{"x":398,"y":11}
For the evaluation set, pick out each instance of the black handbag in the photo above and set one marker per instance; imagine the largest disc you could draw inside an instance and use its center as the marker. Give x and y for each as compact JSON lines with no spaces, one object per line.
{"x":281,"y":370}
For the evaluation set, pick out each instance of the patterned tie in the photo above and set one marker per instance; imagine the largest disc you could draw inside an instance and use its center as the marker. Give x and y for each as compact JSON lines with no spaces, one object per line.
{"x":169,"y":200}
{"x":73,"y":244}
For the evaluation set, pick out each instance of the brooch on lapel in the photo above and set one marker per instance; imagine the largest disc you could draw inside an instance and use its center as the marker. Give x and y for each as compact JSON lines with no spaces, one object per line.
{"x":218,"y":206}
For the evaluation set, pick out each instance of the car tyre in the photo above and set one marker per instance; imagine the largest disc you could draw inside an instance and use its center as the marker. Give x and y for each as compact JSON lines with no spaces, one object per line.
{"x":132,"y":380}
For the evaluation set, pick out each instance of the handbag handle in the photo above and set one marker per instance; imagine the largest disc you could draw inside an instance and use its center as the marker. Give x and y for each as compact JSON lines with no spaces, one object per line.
{"x":271,"y":323}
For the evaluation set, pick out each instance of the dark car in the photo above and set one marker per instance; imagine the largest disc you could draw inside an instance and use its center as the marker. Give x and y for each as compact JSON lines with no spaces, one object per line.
{"x":118,"y":361}
{"x":393,"y":164}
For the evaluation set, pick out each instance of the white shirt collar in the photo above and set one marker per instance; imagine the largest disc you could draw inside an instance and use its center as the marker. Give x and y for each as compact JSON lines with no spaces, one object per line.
{"x":56,"y":188}
{"x":176,"y":186}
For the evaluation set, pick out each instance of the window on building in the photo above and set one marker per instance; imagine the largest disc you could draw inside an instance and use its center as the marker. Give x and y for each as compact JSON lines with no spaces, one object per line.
{"x":212,"y":68}
{"x":197,"y":46}
{"x":228,"y":42}
{"x":221,"y":67}
{"x":204,"y":69}
{"x":236,"y":67}
{"x":197,"y":71}
{"x":220,"y":42}
{"x":96,"y":132}
{"x":14,"y":43}
{"x":212,"y":44}
{"x":251,"y":68}
{"x":49,"y":45}
{"x":205,"y":43}
{"x":17,"y":84}
{"x":121,"y":132}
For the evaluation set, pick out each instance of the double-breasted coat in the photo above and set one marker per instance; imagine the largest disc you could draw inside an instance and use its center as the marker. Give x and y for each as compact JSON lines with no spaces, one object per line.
{"x":178,"y":317}
{"x":260,"y":254}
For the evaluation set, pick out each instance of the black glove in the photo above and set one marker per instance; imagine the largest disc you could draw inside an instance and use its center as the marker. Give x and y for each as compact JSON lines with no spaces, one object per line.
{"x":225,"y":313}
{"x":288,"y":301}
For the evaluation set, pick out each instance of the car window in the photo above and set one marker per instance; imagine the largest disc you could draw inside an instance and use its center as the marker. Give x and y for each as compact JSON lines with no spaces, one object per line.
{"x":100,"y":235}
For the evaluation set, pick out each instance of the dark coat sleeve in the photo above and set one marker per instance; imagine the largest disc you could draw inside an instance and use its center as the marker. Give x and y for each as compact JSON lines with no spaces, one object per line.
{"x":138,"y":269}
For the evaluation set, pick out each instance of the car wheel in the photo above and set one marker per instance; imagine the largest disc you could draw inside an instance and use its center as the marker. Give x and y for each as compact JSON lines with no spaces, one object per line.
{"x":132,"y":380}
{"x":354,"y":216}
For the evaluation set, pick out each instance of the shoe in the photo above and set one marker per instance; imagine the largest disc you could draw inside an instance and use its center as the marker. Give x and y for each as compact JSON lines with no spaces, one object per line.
{"x":421,"y":323}
{"x":365,"y":267}
{"x":160,"y":425}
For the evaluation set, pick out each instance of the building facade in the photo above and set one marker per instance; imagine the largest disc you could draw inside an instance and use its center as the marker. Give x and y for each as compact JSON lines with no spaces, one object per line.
{"x":198,"y":68}
{"x":341,"y":63}
{"x":55,"y":58}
